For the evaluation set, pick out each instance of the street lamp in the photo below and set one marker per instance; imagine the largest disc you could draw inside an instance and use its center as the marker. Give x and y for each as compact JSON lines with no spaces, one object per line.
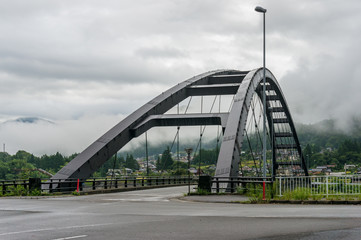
{"x":188,"y":151}
{"x":146,"y":153}
{"x":263,"y":10}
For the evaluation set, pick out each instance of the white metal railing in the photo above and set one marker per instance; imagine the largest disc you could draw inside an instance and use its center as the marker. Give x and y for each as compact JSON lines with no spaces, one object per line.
{"x":321,"y":185}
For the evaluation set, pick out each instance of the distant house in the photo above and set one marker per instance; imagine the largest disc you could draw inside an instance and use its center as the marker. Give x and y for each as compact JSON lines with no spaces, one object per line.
{"x":115,"y":172}
{"x":321,"y":170}
{"x":349,"y":168}
{"x":193,"y":170}
{"x":118,"y":172}
{"x":331,"y":165}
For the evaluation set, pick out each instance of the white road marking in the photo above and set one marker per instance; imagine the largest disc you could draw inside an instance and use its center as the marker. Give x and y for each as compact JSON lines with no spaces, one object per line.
{"x":52,"y":229}
{"x":146,"y":199}
{"x":73,"y":237}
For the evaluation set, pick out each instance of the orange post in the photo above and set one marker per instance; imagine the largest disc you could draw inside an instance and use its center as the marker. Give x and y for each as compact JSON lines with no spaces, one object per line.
{"x":77,"y":186}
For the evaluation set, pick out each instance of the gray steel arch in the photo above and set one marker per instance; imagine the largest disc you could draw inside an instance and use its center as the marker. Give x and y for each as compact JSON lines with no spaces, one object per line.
{"x":94,"y":156}
{"x":229,"y":155}
{"x":220,"y":82}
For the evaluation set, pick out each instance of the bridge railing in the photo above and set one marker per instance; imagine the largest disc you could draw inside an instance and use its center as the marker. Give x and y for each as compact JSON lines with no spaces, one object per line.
{"x":91,"y":184}
{"x":233,"y":184}
{"x":320,"y":185}
{"x":112,"y":183}
{"x":7,"y":186}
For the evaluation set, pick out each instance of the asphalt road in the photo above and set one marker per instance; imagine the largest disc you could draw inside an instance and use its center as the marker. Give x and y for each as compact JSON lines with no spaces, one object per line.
{"x":151,"y":214}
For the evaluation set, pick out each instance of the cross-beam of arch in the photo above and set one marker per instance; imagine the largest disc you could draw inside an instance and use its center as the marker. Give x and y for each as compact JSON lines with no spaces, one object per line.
{"x":220,"y":82}
{"x":229,"y":155}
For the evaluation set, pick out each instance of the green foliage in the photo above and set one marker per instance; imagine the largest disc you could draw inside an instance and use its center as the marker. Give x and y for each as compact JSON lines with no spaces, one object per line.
{"x":316,"y":197}
{"x":4,"y":170}
{"x":255,"y":192}
{"x":297,"y":194}
{"x":179,"y":169}
{"x":21,"y":191}
{"x":326,"y":144}
{"x":131,"y":163}
{"x":17,"y":191}
{"x":116,"y":163}
{"x":75,"y":193}
{"x":200,"y":192}
{"x":166,"y":161}
{"x":35,"y":192}
{"x":323,"y":145}
{"x":179,"y":172}
{"x":4,"y":157}
{"x":206,"y":157}
{"x":23,"y":165}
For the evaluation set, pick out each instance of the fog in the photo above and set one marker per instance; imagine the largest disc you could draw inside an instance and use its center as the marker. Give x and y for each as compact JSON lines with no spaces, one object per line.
{"x":86,"y":65}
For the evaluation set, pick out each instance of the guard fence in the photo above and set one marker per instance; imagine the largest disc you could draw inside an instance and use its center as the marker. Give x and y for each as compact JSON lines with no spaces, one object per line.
{"x":234,"y":184}
{"x":315,"y":185}
{"x":278,"y":186}
{"x":320,"y":185}
{"x":91,"y":184}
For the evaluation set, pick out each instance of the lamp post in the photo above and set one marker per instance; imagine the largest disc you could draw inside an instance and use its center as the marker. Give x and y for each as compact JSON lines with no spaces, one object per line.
{"x":146,"y":153}
{"x":263,"y":10}
{"x":188,"y":151}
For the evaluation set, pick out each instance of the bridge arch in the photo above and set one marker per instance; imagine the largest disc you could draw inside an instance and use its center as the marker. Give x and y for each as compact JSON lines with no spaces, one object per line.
{"x":233,"y":138}
{"x":244,"y":84}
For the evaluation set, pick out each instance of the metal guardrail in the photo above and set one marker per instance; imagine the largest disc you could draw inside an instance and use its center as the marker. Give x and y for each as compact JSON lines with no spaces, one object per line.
{"x":316,"y":185}
{"x":226,"y":184}
{"x":9,"y":185}
{"x":87,"y":185}
{"x":107,"y":183}
{"x":321,"y":185}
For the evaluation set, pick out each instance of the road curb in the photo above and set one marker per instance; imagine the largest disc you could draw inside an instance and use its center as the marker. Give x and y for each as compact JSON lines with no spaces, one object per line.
{"x":306,"y":202}
{"x":326,"y":202}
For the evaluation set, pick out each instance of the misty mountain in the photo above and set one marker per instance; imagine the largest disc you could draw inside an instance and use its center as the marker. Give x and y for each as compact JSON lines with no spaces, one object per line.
{"x":328,"y":133}
{"x":29,"y":120}
{"x":323,"y":134}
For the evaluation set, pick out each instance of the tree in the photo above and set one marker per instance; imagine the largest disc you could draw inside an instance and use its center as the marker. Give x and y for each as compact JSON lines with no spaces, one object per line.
{"x":112,"y":163}
{"x":131,"y":163}
{"x":4,"y":169}
{"x":166,"y":161}
{"x":4,"y":157}
{"x":158,"y":164}
{"x":208,"y":157}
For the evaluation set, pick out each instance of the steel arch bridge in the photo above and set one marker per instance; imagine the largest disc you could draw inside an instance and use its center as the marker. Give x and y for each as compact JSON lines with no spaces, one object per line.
{"x":244,"y":85}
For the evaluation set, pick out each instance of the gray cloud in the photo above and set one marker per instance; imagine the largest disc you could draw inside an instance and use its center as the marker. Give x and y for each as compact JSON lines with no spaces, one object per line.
{"x":326,"y":76}
{"x":70,"y":61}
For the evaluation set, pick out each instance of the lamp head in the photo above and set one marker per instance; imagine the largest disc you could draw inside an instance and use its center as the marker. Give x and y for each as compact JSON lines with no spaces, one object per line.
{"x":260,"y":9}
{"x":188,"y":150}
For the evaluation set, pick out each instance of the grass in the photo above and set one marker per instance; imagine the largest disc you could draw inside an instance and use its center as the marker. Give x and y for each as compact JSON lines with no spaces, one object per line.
{"x":75,"y":193}
{"x":255,"y":192}
{"x":200,"y":192}
{"x":20,"y":191}
{"x":297,"y":194}
{"x":305,"y":194}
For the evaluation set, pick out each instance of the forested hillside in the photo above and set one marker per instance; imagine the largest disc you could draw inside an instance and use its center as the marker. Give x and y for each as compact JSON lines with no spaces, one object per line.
{"x":323,"y":143}
{"x":326,"y":143}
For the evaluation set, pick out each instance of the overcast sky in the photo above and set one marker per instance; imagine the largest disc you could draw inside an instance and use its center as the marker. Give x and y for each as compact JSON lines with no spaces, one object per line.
{"x":85,"y":65}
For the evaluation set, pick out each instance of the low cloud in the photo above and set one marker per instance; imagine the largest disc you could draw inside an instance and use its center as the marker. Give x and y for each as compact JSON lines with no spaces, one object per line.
{"x":66,"y":137}
{"x":78,"y":62}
